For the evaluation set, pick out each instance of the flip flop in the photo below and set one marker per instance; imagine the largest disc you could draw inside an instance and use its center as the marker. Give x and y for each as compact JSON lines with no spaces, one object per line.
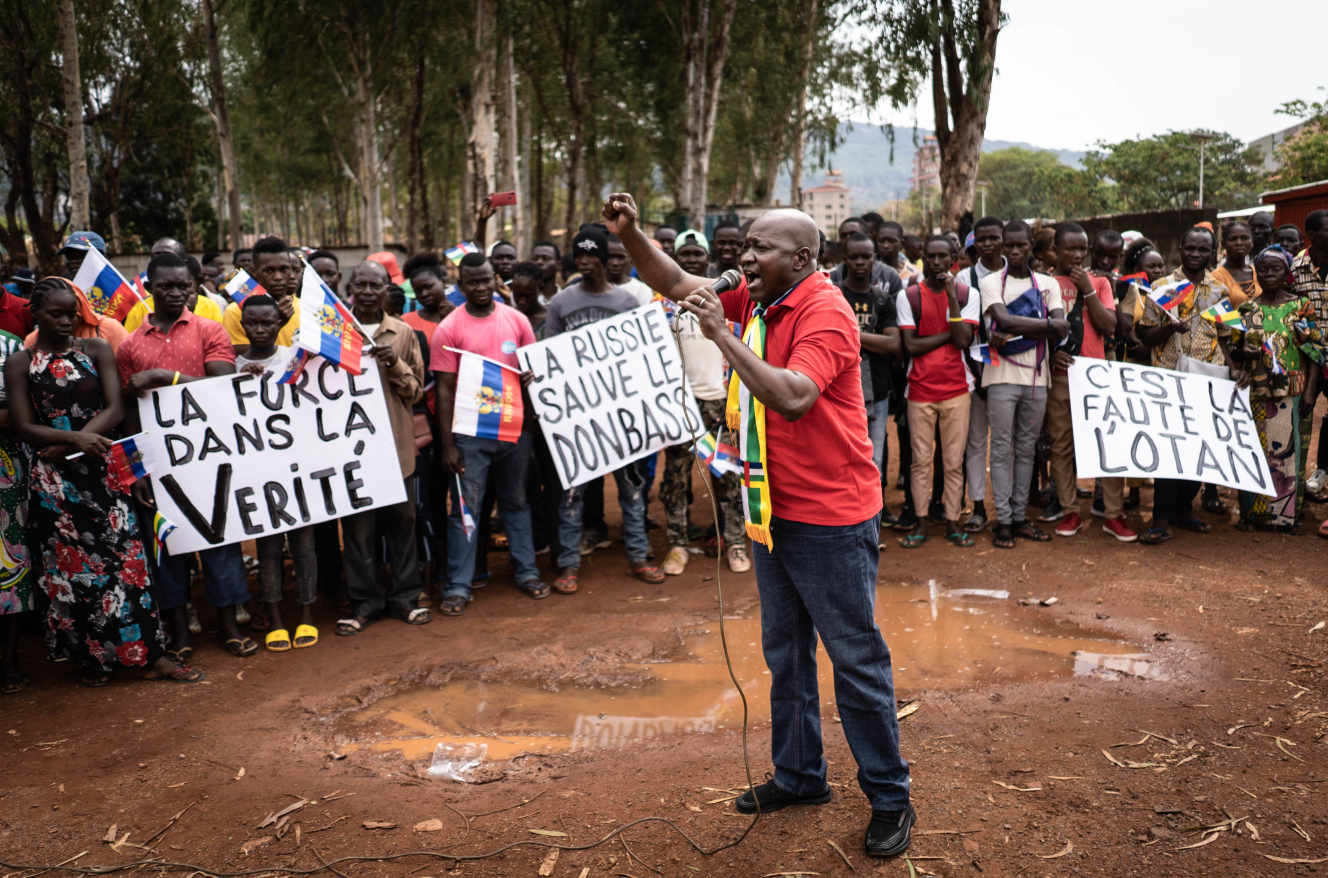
{"x":277,"y":640}
{"x":15,"y":683}
{"x":347,"y":627}
{"x":1155,"y":536}
{"x":180,"y":674}
{"x":240,"y":647}
{"x":1195,"y":525}
{"x":182,"y":655}
{"x":960,"y":538}
{"x":534,"y":589}
{"x":453,"y":605}
{"x":567,"y":583}
{"x":419,"y":616}
{"x":1025,"y":530}
{"x":1003,"y":537}
{"x":305,"y":636}
{"x":913,"y":540}
{"x":95,"y":679}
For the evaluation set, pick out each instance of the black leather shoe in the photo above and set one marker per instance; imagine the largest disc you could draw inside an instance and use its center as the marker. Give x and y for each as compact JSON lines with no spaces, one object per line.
{"x":889,"y":831}
{"x":772,"y":798}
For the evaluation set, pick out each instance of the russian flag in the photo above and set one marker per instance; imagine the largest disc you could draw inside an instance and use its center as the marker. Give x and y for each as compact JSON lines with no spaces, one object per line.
{"x":1274,"y":363}
{"x":984,"y":353}
{"x":455,"y":253}
{"x":125,"y":463}
{"x":1169,"y":296}
{"x":105,"y":287}
{"x":241,"y":286}
{"x":467,"y":520}
{"x":327,"y":327}
{"x":488,"y":399}
{"x":295,"y":367}
{"x":726,"y":460}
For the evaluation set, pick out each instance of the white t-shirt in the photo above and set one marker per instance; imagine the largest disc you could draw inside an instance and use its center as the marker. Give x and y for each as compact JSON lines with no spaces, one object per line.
{"x":701,"y":358}
{"x":639,"y":289}
{"x":275,"y":363}
{"x":1021,"y":368}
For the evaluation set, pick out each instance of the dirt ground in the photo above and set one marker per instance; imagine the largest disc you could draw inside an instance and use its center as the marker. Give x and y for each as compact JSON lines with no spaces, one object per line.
{"x":1219,"y":768}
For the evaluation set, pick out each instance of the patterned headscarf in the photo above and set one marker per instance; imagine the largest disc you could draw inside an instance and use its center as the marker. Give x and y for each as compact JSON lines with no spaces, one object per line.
{"x":1281,"y":253}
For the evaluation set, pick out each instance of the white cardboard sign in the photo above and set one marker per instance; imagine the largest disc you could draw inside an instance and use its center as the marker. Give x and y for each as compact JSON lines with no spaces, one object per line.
{"x":1157,"y":423}
{"x":610,"y":392}
{"x":240,"y":456}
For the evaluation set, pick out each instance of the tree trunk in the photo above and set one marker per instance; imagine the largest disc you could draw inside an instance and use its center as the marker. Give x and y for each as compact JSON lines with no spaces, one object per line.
{"x":525,"y":209}
{"x":800,"y":112}
{"x":221,"y":119}
{"x":704,"y":56}
{"x":80,"y":210}
{"x":961,"y":108}
{"x":371,"y":195}
{"x":541,"y":207}
{"x":511,"y":174}
{"x":416,"y":186}
{"x":480,"y":147}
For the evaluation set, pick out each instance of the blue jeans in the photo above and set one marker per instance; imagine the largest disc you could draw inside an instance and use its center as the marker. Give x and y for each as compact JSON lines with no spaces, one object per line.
{"x":878,"y":414}
{"x":632,"y":499}
{"x":508,"y":463}
{"x":822,"y":580}
{"x":223,"y":571}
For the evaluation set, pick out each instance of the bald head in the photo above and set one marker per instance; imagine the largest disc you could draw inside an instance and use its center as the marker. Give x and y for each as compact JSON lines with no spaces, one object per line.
{"x":370,"y":270}
{"x":793,"y":226}
{"x":780,"y":252}
{"x":169,"y":245}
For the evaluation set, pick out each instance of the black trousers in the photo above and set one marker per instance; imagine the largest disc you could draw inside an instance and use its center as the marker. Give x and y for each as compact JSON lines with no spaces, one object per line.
{"x":1173,"y":500}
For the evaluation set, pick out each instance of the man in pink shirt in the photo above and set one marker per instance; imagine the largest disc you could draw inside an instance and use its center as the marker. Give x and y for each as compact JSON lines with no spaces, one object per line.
{"x":494,"y":330}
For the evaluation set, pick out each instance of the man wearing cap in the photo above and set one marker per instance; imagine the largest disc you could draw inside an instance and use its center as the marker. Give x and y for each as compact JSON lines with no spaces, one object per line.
{"x":589,"y":298}
{"x":813,"y":506}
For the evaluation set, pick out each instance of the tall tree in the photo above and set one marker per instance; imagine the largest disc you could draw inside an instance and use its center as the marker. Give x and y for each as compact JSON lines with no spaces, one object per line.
{"x":705,"y":48}
{"x":80,"y":210}
{"x":1162,"y":172}
{"x":1304,"y":156}
{"x":221,"y":120}
{"x":958,"y":38}
{"x":800,"y":112}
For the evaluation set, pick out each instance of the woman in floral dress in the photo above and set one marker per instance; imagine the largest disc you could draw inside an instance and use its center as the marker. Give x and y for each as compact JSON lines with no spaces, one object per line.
{"x":1276,"y":351}
{"x":64,"y":398}
{"x":15,"y":571}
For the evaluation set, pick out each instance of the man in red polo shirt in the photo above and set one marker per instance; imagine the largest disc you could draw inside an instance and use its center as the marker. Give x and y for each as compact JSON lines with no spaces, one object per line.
{"x":818,"y":524}
{"x":173,"y":346}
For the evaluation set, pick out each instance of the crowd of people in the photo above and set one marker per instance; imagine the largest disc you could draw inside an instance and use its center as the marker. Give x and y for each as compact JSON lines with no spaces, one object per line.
{"x":965,"y":342}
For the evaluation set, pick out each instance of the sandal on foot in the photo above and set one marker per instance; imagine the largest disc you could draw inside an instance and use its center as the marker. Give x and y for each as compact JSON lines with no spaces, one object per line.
{"x":534,"y":589}
{"x":977,"y":523}
{"x":568,"y":583}
{"x":960,"y":538}
{"x":1025,"y":530}
{"x":1003,"y":537}
{"x":178,"y":674}
{"x":1195,"y":525}
{"x":647,"y":572}
{"x":305,"y":636}
{"x":15,"y":683}
{"x":1214,"y":505}
{"x":419,"y":616}
{"x":180,"y":656}
{"x":349,"y":626}
{"x":240,"y":647}
{"x":913,"y":540}
{"x":259,"y":620}
{"x":94,"y":679}
{"x":453,"y":605}
{"x":1155,"y":536}
{"x":277,"y":640}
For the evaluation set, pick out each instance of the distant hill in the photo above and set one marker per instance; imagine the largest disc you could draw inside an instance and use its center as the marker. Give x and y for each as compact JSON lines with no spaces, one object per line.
{"x":865,"y":160}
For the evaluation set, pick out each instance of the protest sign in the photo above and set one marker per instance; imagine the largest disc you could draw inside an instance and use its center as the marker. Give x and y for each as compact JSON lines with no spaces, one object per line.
{"x":241,"y":456}
{"x":610,"y":393}
{"x":1155,"y":423}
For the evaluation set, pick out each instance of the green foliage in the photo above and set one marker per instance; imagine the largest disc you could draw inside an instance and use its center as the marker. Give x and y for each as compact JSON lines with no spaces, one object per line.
{"x":1162,"y":172}
{"x":1029,"y":183}
{"x":1304,"y":157}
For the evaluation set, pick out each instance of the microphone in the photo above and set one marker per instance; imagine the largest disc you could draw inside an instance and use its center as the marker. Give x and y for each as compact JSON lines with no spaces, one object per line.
{"x":729,"y":280}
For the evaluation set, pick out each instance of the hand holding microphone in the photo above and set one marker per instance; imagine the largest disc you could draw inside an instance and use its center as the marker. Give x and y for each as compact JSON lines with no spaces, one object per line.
{"x":705,"y":304}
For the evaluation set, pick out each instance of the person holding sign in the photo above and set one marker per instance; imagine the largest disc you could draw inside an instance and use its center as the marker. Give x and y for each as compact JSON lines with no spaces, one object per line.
{"x":175,"y":346}
{"x":1092,"y":320}
{"x":402,"y":367}
{"x":1276,"y":350}
{"x":64,"y":397}
{"x":584,"y":301}
{"x":812,"y":501}
{"x":494,"y":331}
{"x":1028,"y":320}
{"x":1170,"y":327}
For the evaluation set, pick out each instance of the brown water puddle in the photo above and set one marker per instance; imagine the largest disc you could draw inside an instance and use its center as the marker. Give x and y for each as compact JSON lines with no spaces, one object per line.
{"x":939,"y":639}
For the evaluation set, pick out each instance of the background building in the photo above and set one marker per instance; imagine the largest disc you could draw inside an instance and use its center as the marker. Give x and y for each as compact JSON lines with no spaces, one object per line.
{"x":829,"y":203}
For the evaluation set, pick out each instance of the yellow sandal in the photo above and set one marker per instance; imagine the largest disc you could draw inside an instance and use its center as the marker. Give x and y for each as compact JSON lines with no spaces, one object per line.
{"x":277,"y":640}
{"x":305,"y":636}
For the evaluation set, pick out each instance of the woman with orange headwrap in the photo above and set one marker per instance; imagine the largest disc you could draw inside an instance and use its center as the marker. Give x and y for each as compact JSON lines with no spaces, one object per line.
{"x":90,"y":323}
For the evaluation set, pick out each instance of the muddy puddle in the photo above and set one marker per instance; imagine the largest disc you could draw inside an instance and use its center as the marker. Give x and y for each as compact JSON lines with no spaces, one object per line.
{"x":940,"y":639}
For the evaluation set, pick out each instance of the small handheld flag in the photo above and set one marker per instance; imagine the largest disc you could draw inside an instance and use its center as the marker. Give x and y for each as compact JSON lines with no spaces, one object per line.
{"x":1223,"y":313}
{"x":455,"y":253}
{"x":984,"y":353}
{"x":162,"y":527}
{"x":1274,"y":363}
{"x":488,"y":399}
{"x":125,"y":463}
{"x":1170,"y":295}
{"x":327,"y":327}
{"x":299,"y":359}
{"x":241,"y":286}
{"x":467,"y":520}
{"x":105,"y":287}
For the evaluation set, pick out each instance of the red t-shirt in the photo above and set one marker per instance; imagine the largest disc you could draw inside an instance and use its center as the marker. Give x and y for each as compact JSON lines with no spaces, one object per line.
{"x":819,"y":467}
{"x":191,"y":342}
{"x":1093,"y":345}
{"x":15,"y":318}
{"x":941,"y":373}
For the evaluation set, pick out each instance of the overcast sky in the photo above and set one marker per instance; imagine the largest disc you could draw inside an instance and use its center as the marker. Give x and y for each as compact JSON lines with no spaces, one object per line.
{"x":1069,"y":74}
